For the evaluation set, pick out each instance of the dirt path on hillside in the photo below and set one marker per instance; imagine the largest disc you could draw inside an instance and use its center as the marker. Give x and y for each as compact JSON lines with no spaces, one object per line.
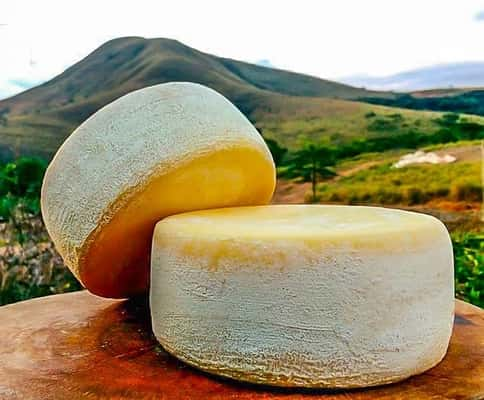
{"x":358,"y":168}
{"x":288,"y":192}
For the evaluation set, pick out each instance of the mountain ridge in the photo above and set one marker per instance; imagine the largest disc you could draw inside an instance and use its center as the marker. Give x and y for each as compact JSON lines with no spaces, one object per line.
{"x":37,"y":121}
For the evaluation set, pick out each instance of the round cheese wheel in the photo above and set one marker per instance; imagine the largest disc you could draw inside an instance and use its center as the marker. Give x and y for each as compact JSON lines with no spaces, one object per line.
{"x":309,"y":296}
{"x":154,"y":152}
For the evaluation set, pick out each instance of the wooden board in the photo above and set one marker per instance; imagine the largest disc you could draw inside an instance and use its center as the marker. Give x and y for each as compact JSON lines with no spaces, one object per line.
{"x":77,"y":346}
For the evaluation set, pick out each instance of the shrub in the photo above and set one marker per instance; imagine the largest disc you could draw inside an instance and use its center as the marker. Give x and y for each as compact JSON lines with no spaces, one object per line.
{"x":278,"y":152}
{"x":396,"y":117}
{"x":382,"y":124}
{"x":415,"y":196}
{"x":20,"y":184}
{"x":469,"y":267}
{"x":466,"y":190}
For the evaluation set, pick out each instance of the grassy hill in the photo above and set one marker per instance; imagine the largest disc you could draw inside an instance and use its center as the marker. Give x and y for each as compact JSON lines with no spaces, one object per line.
{"x":36,"y":121}
{"x":336,"y":121}
{"x":284,"y":105}
{"x":453,"y":190}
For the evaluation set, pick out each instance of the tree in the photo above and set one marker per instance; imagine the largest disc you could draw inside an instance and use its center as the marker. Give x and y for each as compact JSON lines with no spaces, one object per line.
{"x":278,"y":152}
{"x":20,"y":184}
{"x":312,"y":162}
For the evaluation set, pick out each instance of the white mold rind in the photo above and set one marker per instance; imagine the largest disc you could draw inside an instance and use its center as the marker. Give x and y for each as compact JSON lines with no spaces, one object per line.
{"x":144,"y":133}
{"x":345,"y":313}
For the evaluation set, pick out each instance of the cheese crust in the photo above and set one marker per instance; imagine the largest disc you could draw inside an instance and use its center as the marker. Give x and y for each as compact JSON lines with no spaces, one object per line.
{"x":304,"y":296}
{"x":157,"y":151}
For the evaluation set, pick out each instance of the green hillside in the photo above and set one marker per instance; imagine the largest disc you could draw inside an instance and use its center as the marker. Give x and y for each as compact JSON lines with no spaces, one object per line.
{"x":469,"y":101}
{"x":36,"y":121}
{"x":284,"y":105}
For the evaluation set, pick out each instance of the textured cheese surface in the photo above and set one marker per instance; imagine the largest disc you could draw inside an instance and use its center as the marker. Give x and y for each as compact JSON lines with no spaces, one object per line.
{"x":310,"y":296}
{"x":157,"y":151}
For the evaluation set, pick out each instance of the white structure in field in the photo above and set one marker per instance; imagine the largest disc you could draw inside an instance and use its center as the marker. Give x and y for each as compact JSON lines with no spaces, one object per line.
{"x":420,"y":157}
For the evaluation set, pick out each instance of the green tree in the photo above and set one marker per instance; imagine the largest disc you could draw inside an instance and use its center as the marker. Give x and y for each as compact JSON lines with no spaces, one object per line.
{"x":20,"y":184}
{"x":278,"y":152}
{"x":312,"y":162}
{"x":22,"y":177}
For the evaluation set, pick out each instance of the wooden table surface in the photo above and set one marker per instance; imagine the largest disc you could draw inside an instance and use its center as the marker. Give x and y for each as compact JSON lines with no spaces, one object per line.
{"x":79,"y":346}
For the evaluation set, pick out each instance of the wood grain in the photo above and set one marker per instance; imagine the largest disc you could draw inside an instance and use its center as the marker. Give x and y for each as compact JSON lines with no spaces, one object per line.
{"x":79,"y":346}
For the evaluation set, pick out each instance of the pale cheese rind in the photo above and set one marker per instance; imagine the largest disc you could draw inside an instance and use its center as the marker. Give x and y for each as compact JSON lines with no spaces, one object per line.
{"x":143,"y":136}
{"x":304,"y":296}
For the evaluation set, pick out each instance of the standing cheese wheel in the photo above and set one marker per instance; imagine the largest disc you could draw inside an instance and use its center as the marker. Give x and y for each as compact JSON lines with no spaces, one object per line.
{"x":309,"y":296}
{"x":154,"y":152}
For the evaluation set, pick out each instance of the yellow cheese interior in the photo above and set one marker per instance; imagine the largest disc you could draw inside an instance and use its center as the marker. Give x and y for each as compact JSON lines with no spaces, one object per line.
{"x":115,"y":259}
{"x":251,"y":232}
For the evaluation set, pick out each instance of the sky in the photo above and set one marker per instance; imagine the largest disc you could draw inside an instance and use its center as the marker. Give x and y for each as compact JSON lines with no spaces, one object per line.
{"x":329,"y":39}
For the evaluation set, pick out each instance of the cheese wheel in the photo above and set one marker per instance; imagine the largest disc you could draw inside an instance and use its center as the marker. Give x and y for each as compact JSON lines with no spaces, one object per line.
{"x":154,"y":152}
{"x":303,"y":296}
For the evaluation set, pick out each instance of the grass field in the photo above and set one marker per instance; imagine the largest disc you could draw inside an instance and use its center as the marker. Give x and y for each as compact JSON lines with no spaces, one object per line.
{"x":370,"y":178}
{"x":417,"y":184}
{"x":338,"y":121}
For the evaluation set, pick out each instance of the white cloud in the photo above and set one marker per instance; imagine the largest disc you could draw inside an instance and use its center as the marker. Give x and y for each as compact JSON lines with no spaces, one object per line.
{"x":329,"y":39}
{"x":479,"y":16}
{"x":8,"y":88}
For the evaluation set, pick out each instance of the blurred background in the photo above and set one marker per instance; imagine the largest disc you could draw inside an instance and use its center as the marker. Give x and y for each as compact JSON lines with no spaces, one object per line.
{"x":373,"y":103}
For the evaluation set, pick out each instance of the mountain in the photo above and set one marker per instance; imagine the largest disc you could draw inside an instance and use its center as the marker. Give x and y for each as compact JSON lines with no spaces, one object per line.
{"x":452,"y":75}
{"x":124,"y":64}
{"x":38,"y":120}
{"x":284,"y":105}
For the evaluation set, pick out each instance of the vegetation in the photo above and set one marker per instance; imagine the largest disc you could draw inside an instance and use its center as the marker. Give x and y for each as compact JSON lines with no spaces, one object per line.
{"x":412,"y":185}
{"x":469,"y":267}
{"x":20,"y":184}
{"x":451,"y":129}
{"x":382,"y":184}
{"x":278,"y":152}
{"x":338,"y":122}
{"x":312,"y":163}
{"x":29,"y":264}
{"x":356,"y":129}
{"x":470,"y":102}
